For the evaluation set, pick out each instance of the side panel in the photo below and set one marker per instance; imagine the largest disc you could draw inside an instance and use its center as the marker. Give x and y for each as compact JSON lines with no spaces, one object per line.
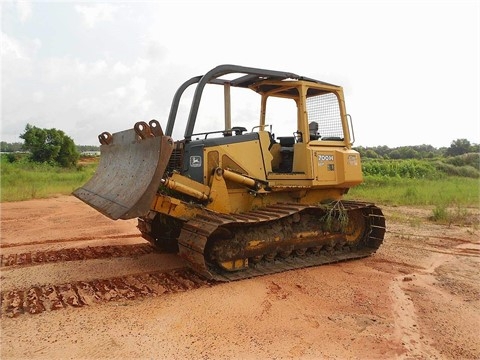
{"x":240,"y":153}
{"x":337,"y":167}
{"x":325,"y":165}
{"x":194,"y":161}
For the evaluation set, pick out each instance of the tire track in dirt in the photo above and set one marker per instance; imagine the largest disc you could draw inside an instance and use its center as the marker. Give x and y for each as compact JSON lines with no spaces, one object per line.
{"x":427,"y":236}
{"x":409,"y":329}
{"x":72,"y":254}
{"x":452,"y":246}
{"x":454,"y":252}
{"x":40,"y":298}
{"x":74,"y":239}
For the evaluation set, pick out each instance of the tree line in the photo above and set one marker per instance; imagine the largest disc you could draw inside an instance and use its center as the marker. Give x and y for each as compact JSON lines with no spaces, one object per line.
{"x":54,"y":146}
{"x":457,"y":147}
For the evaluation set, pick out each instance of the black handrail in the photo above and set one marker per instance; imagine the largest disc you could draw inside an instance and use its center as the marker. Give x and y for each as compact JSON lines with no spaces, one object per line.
{"x":251,"y":76}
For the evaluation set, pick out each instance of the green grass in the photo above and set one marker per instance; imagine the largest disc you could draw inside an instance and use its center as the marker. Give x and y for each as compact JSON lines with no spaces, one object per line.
{"x":444,"y":191}
{"x":23,"y":180}
{"x":451,"y":198}
{"x":457,"y":215}
{"x":408,"y":182}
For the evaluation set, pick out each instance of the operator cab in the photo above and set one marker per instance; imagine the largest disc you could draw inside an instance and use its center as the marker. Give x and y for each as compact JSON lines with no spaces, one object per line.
{"x":299,"y":116}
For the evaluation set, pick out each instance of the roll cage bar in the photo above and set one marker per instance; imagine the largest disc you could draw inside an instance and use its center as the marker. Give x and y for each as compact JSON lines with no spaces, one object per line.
{"x":252,"y":76}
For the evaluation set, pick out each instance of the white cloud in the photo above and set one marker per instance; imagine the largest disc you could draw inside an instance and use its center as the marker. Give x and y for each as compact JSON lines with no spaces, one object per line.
{"x":155,"y":50}
{"x":61,"y":69}
{"x":93,"y":14}
{"x":67,"y":69}
{"x":120,"y":69}
{"x":399,"y":84}
{"x":38,"y":96}
{"x":121,"y":92}
{"x":24,"y":9}
{"x":130,"y":98}
{"x":141,"y":65}
{"x":11,"y":48}
{"x":98,"y":68}
{"x":17,"y":58}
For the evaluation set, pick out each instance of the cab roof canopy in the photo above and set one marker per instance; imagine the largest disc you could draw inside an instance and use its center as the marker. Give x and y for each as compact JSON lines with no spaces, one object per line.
{"x":259,"y":80}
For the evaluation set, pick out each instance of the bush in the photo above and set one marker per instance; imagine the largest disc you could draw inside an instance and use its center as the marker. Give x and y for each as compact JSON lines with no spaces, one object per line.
{"x":458,"y":215}
{"x":50,"y":146}
{"x":471,"y":159}
{"x":412,"y":169}
{"x":463,"y":166}
{"x":452,"y":170}
{"x":11,"y":157}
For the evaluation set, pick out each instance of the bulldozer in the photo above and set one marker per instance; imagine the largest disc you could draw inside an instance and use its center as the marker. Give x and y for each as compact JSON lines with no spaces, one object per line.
{"x":236,"y":203}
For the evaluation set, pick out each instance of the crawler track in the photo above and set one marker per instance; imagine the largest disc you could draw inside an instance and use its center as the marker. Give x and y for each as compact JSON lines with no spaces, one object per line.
{"x":284,"y":237}
{"x":71,"y":254}
{"x":41,"y":298}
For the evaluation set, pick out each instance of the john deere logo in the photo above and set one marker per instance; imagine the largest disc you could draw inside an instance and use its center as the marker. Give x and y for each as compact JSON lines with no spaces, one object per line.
{"x":195,"y":161}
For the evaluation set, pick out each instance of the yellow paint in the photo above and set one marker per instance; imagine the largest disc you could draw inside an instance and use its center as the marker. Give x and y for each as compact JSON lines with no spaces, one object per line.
{"x":219,"y":196}
{"x":242,"y":157}
{"x":170,"y":206}
{"x":234,"y":265}
{"x":306,"y":234}
{"x":238,"y":176}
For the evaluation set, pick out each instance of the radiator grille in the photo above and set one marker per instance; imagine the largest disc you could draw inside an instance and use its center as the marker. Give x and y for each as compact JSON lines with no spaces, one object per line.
{"x":176,"y":159}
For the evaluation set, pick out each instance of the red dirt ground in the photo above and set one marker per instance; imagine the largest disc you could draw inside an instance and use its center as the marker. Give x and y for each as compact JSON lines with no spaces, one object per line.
{"x":418,"y":297}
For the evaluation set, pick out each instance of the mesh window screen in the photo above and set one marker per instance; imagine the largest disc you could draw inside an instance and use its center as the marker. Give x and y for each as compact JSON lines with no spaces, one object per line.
{"x":325,"y":110}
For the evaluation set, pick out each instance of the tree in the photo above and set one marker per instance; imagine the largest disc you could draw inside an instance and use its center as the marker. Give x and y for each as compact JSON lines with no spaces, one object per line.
{"x":50,"y":145}
{"x":458,"y":147}
{"x":395,"y":154}
{"x":408,"y":152}
{"x":370,"y":153}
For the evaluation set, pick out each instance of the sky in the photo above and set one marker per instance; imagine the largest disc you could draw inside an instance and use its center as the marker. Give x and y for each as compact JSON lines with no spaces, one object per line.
{"x":409,"y":69}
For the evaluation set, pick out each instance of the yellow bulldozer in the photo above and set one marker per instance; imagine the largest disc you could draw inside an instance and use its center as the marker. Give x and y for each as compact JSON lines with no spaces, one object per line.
{"x":236,"y":202}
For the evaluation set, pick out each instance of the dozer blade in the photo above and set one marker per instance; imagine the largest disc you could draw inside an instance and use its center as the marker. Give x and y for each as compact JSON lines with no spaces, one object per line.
{"x":128,"y":174}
